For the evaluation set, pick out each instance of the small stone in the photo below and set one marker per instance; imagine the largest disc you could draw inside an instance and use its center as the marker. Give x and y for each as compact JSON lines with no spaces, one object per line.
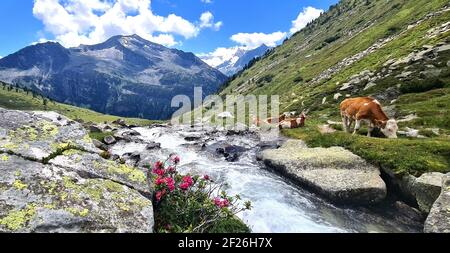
{"x":120,"y":122}
{"x":94,"y":129}
{"x":153,"y":145}
{"x":370,"y":85}
{"x":109,"y":140}
{"x":99,"y":144}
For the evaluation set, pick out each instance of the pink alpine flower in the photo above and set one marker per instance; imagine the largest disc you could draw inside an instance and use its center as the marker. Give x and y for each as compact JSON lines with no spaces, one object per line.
{"x":184,"y":186}
{"x":176,"y":159}
{"x":171,"y":169}
{"x":188,"y":180}
{"x":221,"y":203}
{"x":158,"y":165}
{"x":206,"y":177}
{"x":170,"y":183}
{"x":160,"y":195}
{"x":160,"y":181}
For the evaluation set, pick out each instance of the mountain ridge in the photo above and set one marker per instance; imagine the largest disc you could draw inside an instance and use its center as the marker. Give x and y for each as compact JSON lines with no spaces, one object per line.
{"x":125,"y":75}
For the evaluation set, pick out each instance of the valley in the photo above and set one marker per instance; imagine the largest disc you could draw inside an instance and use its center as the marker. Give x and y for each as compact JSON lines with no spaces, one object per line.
{"x":94,"y":119}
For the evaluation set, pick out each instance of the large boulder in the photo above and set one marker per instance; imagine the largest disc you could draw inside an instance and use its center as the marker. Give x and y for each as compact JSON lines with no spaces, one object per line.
{"x":35,"y":197}
{"x":438,"y":220}
{"x":52,"y":179}
{"x":427,"y":189}
{"x":94,"y":166}
{"x":333,"y":172}
{"x":40,"y":135}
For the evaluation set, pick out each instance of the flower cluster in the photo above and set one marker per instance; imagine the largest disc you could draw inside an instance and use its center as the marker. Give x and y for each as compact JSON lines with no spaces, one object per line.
{"x":221,"y":203}
{"x":167,"y":180}
{"x":187,"y":182}
{"x":190,"y":203}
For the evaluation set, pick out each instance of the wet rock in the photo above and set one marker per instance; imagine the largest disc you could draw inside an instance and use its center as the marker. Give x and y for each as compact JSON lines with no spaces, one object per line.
{"x":153,"y":145}
{"x":99,"y":145}
{"x":408,"y":212}
{"x":334,"y":172}
{"x":232,"y":157}
{"x":237,"y":132}
{"x":109,"y":140}
{"x":38,"y":198}
{"x":132,"y":159}
{"x":438,"y":220}
{"x":38,"y":135}
{"x":231,"y":153}
{"x":427,"y":189}
{"x":192,"y":136}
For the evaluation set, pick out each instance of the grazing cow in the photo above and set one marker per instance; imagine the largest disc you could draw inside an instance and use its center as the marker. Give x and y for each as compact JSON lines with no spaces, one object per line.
{"x":278,"y":120}
{"x":366,"y":109}
{"x":293,"y":122}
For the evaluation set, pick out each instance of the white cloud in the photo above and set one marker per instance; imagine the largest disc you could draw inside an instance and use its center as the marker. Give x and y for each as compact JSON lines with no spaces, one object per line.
{"x":219,"y":56}
{"x":253,"y":40}
{"x":248,"y":41}
{"x":206,"y":1}
{"x":75,"y":22}
{"x":207,"y":21}
{"x":307,"y":15}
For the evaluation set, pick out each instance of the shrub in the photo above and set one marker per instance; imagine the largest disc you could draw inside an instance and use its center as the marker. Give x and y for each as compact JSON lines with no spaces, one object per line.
{"x":298,"y":79}
{"x":266,"y":79}
{"x":193,"y":204}
{"x":392,"y":30}
{"x":332,"y":39}
{"x":418,"y":86}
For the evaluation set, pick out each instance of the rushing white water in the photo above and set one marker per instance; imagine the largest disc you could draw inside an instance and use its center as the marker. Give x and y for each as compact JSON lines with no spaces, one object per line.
{"x":278,"y":206}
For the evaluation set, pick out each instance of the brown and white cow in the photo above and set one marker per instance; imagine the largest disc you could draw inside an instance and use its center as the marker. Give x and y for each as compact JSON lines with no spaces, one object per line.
{"x":291,"y":123}
{"x":367,"y":109}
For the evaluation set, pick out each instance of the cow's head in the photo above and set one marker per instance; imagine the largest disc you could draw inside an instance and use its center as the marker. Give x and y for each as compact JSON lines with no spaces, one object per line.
{"x":390,"y":128}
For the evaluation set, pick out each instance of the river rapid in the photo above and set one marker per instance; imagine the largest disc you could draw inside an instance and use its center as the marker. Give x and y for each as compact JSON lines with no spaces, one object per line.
{"x":278,"y":205}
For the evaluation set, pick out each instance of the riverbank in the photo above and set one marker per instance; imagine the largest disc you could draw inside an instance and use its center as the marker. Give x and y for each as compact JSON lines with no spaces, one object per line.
{"x":79,"y":179}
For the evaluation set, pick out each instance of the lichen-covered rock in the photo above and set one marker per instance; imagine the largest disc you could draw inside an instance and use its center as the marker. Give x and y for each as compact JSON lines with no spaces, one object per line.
{"x":39,"y":135}
{"x":438,"y":220}
{"x":46,"y":198}
{"x":427,"y":189}
{"x":333,"y":172}
{"x":95,"y":166}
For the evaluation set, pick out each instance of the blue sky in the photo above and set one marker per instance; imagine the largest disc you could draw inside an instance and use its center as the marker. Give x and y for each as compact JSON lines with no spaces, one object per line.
{"x":190,"y":25}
